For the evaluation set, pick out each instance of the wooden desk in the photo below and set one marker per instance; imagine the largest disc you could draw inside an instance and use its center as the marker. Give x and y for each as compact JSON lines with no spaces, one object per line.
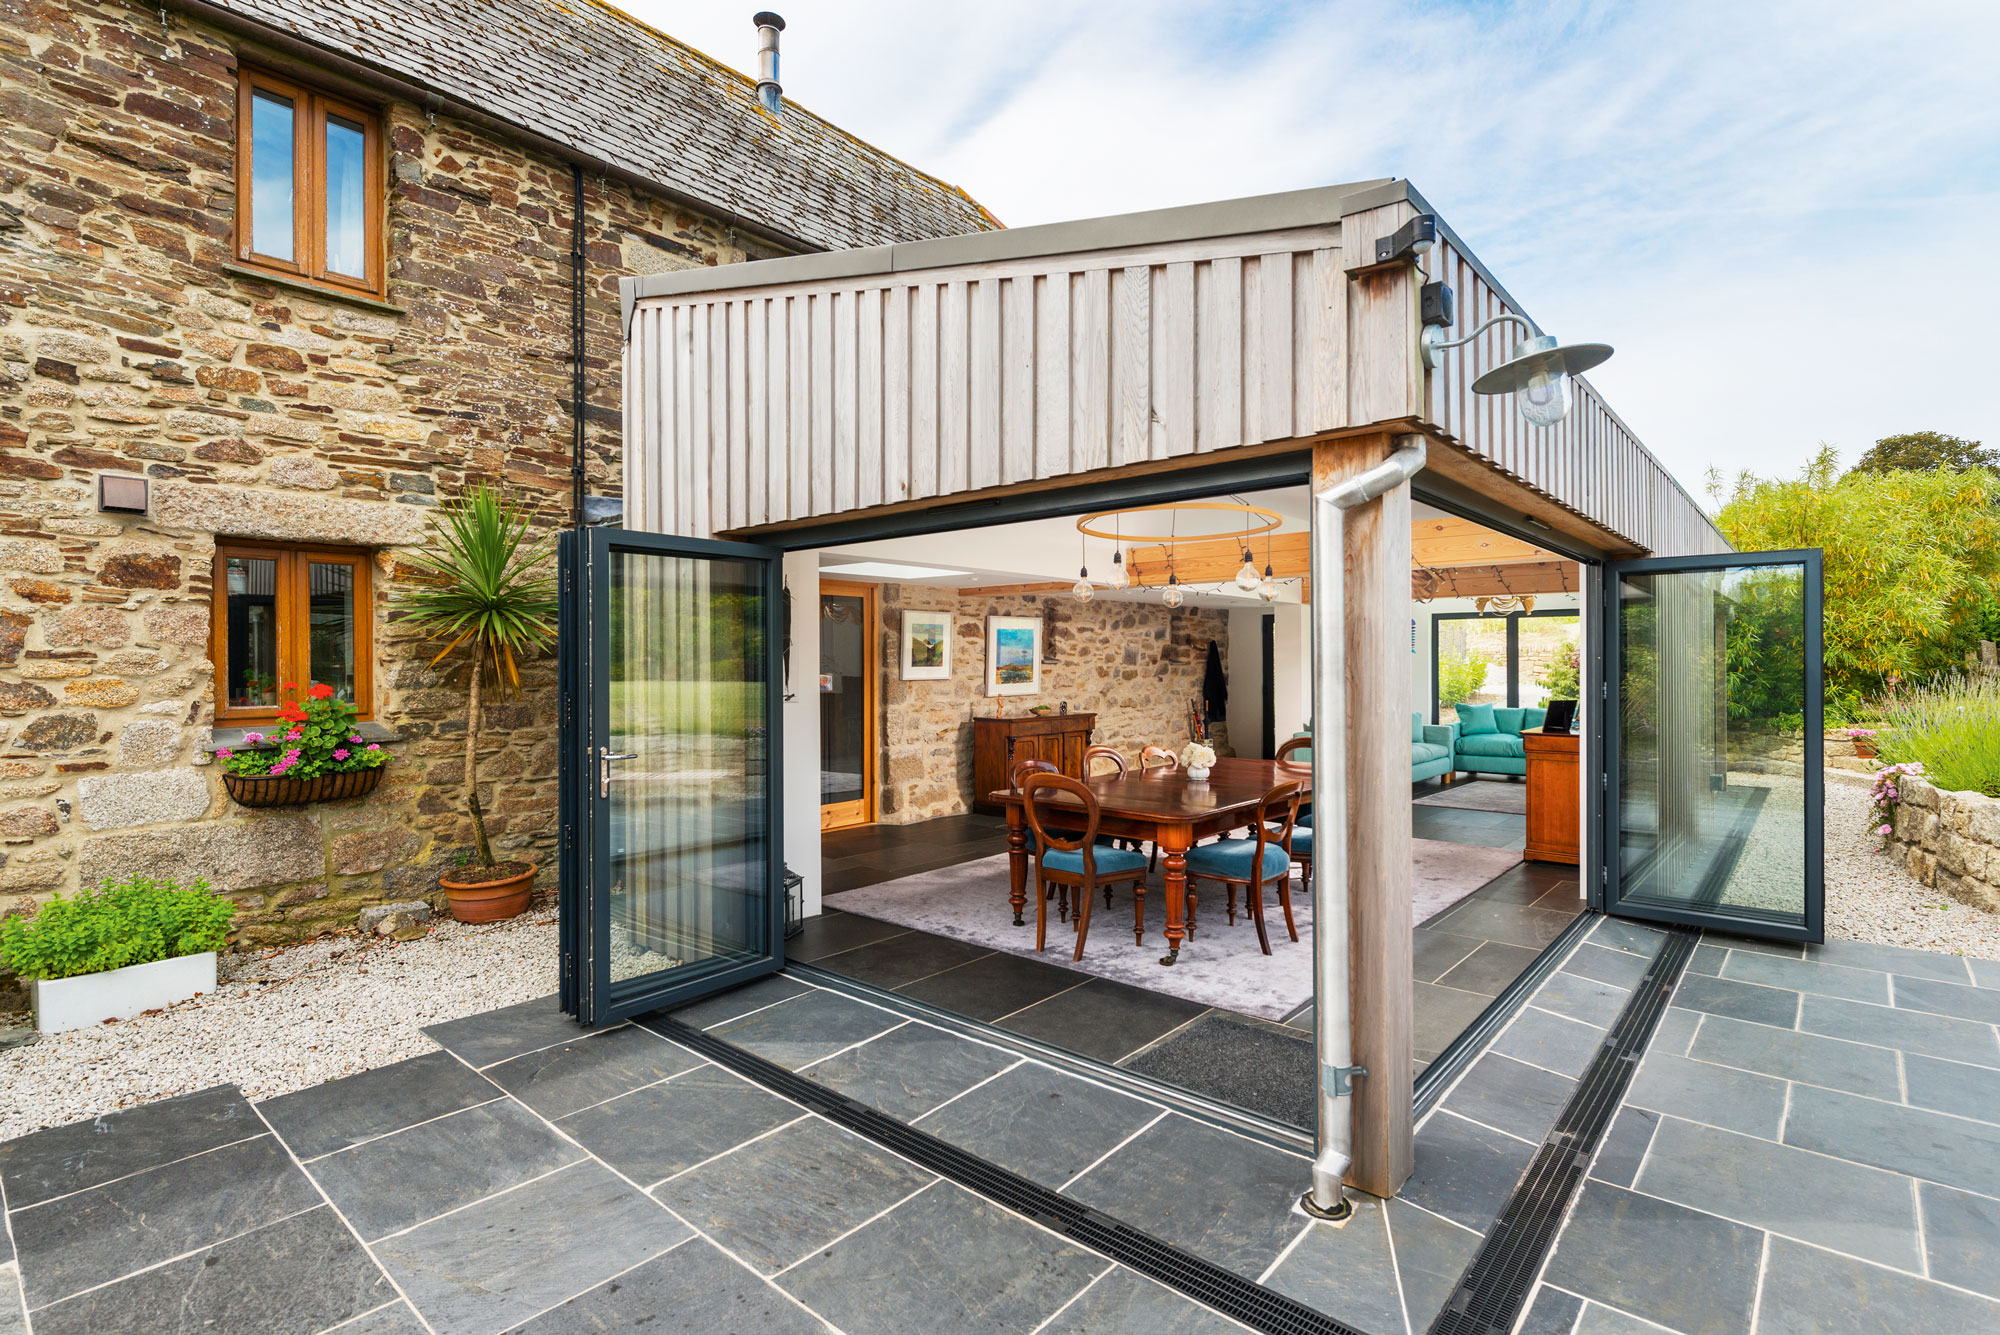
{"x":1162,"y":807}
{"x":1553,"y":796}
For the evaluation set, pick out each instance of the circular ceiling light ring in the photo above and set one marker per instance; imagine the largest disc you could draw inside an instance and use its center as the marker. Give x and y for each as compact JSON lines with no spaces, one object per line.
{"x":1265,"y":521}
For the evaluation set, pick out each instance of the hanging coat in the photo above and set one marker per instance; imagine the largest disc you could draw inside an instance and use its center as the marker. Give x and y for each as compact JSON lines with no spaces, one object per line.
{"x":1215,"y":687}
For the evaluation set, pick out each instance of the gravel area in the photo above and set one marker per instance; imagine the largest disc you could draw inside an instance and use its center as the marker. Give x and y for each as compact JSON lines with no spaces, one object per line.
{"x":283,"y":1020}
{"x":1869,"y":897}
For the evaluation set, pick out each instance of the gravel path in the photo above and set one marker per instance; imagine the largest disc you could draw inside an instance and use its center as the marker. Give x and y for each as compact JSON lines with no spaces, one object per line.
{"x":282,"y":1021}
{"x":1869,"y":897}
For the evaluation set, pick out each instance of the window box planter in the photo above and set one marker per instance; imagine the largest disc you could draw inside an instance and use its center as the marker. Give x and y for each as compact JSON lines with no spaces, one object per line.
{"x":92,"y":998}
{"x":284,"y":791}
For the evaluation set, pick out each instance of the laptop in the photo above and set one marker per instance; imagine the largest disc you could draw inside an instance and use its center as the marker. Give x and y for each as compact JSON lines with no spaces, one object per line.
{"x":1561,"y":716}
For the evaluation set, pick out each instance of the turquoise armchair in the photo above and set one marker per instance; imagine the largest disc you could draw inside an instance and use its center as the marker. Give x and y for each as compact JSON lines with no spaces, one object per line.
{"x":1489,"y":738}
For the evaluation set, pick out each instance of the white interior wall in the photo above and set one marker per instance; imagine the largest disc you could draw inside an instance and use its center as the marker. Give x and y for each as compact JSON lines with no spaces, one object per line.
{"x":801,"y":727}
{"x":1246,"y":680}
{"x":1291,"y":668}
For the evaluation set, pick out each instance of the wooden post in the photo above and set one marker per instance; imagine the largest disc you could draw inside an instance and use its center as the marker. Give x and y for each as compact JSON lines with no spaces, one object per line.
{"x":1377,"y":559}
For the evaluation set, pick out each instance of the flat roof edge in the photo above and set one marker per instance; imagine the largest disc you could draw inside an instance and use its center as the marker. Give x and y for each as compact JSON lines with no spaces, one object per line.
{"x":1185,"y":222}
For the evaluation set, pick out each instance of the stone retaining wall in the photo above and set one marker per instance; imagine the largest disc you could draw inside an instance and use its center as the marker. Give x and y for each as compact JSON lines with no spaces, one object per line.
{"x":1133,"y":664}
{"x":1950,"y":841}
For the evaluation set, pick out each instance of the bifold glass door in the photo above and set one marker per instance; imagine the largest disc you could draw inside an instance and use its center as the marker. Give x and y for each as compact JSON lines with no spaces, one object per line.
{"x":672,"y":881}
{"x":1712,"y":743}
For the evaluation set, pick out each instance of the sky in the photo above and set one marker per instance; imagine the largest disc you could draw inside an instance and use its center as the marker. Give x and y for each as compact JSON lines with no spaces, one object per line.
{"x":1781,"y":214}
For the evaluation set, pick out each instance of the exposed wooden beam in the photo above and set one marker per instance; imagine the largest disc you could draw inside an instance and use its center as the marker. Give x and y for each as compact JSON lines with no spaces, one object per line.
{"x":1451,"y":541}
{"x":1496,"y":580}
{"x":1004,"y":590}
{"x":1213,"y":562}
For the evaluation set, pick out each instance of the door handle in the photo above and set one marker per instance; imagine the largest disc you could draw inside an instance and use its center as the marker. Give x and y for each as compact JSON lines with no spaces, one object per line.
{"x":604,"y":759}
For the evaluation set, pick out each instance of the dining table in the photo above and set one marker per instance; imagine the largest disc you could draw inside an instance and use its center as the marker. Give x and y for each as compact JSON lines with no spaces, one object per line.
{"x":1161,"y":806}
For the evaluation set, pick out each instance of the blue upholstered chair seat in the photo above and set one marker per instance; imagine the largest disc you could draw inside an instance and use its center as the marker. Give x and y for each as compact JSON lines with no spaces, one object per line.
{"x":1035,"y":846}
{"x":1230,"y":859}
{"x":1110,"y":861}
{"x":1302,"y":839}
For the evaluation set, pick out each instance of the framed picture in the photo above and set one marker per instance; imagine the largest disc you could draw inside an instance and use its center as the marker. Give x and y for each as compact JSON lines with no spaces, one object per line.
{"x":1013,"y":655}
{"x":926,"y":645}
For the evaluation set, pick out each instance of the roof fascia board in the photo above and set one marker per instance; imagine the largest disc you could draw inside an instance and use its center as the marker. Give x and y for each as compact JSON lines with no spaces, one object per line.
{"x":393,"y":83}
{"x":1188,"y":222}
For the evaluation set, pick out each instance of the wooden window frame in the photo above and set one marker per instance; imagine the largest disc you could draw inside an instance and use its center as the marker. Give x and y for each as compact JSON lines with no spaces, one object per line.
{"x":310,"y":110}
{"x":294,"y":623}
{"x":864,"y":809}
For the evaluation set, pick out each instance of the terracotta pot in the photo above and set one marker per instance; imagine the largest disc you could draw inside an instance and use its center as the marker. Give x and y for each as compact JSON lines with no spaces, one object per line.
{"x":1864,"y":747}
{"x":262,"y":790}
{"x":495,"y":901}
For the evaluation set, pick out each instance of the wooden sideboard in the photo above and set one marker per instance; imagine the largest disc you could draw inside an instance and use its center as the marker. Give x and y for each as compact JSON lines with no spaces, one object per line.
{"x":1553,"y":796}
{"x":997,"y":743}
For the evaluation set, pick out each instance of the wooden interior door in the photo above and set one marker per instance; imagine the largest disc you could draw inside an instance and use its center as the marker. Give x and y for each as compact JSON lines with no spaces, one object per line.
{"x":849,"y":685}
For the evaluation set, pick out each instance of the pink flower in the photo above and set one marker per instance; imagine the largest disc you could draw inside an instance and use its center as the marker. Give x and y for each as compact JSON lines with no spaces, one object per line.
{"x":355,"y":738}
{"x":293,"y":735}
{"x":1883,"y":830}
{"x":253,"y":737}
{"x":374,"y":746}
{"x":340,"y":753}
{"x":225,"y":753}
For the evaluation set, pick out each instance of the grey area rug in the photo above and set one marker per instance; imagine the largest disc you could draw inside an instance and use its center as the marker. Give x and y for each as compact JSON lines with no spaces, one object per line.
{"x":1220,"y":966}
{"x":1481,"y":795}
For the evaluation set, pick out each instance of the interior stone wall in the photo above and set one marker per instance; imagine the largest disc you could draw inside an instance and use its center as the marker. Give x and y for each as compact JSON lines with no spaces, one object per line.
{"x":1136,"y":665}
{"x":128,"y":344}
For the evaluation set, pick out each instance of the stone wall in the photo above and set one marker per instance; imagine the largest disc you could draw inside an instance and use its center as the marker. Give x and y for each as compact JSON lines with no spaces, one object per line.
{"x":259,"y":410}
{"x":1949,"y":841}
{"x":1133,"y":664}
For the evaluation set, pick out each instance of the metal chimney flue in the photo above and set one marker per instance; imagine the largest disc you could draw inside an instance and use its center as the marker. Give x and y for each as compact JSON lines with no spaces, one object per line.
{"x":769,"y":91}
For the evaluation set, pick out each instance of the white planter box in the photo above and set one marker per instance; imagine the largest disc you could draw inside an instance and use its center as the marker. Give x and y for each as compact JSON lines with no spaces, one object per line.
{"x":93,"y":998}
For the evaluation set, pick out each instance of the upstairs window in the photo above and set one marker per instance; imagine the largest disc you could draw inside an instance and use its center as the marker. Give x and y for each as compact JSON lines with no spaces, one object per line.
{"x":308,"y":184}
{"x":289,"y":617}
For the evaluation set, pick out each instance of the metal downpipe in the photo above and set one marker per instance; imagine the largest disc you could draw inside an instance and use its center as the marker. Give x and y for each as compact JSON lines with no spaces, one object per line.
{"x":1332,"y":1017}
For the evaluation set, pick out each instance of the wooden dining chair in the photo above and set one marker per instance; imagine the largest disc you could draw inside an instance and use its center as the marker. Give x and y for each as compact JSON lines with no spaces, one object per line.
{"x":1080,"y":863}
{"x":1301,"y":845}
{"x":1253,"y":862}
{"x":1111,"y":755}
{"x":1158,"y":757}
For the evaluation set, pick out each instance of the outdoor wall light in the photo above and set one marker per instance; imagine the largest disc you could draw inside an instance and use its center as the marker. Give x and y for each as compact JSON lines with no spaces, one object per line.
{"x":1537,"y":372}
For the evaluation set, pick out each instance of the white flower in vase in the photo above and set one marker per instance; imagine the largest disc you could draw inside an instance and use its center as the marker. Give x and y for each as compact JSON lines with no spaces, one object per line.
{"x":1197,"y":758}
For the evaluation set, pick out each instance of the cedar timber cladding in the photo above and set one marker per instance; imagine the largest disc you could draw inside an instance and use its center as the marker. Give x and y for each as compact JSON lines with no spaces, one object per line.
{"x":791,"y":389}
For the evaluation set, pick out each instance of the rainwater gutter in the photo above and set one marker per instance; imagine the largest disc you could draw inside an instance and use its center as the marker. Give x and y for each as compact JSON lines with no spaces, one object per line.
{"x":1333,"y":1036}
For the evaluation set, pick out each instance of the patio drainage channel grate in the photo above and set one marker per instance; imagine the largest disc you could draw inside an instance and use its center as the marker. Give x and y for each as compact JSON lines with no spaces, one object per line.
{"x":1490,"y":1294}
{"x":1224,"y":1290}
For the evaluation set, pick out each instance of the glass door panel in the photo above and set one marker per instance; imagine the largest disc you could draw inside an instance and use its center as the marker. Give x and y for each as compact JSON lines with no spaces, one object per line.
{"x":678,"y":889}
{"x":1713,"y":744}
{"x":847,"y":671}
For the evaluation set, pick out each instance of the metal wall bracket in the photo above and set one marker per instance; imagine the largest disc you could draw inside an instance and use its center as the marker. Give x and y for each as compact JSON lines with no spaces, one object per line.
{"x":1338,"y":1081}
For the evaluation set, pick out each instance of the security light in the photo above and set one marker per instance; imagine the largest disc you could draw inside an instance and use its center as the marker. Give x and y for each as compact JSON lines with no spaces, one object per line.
{"x":1537,"y":372}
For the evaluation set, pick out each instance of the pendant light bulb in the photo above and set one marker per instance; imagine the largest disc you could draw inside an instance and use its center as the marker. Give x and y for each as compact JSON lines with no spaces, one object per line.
{"x":1247,"y":577}
{"x":1172,"y":595}
{"x":1083,"y":588}
{"x":1267,"y":588}
{"x":1119,"y":579}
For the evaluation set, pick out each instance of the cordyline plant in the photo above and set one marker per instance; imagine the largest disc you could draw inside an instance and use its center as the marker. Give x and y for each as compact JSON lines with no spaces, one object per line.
{"x":485,"y":590}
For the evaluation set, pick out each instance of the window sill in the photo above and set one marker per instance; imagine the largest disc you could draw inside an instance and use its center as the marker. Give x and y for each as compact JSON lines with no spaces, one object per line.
{"x":306,"y":285}
{"x":232,"y":737}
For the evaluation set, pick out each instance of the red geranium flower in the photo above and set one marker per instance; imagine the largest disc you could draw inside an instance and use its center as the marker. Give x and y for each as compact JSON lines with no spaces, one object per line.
{"x":321,"y":691}
{"x":291,"y":713}
{"x":291,"y":686}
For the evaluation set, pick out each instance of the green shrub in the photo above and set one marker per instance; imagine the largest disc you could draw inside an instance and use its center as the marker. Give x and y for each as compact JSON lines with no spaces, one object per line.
{"x":1952,"y":728}
{"x":136,"y":921}
{"x":1460,"y":678}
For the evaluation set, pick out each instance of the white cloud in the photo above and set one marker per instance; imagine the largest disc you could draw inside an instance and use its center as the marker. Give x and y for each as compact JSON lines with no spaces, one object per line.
{"x":1778,"y":212}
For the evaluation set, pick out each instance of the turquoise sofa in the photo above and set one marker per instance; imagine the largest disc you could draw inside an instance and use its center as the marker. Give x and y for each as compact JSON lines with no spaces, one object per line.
{"x":1430,"y":749}
{"x":1489,"y":738}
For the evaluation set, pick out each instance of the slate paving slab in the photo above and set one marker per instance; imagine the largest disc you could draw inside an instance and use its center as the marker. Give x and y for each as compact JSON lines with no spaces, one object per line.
{"x":1821,"y":978}
{"x":1911,"y":1031}
{"x":807,"y":1028}
{"x":1039,"y":1122}
{"x":909,"y":1071}
{"x":692,"y":1290}
{"x":395,"y":1181}
{"x":560,"y":1080}
{"x":1235,"y":1211}
{"x":1807,"y":1058}
{"x":298,"y":1276}
{"x":494,"y":1036}
{"x":1953,"y":1087}
{"x":1913,"y":1141}
{"x":667,"y":1128}
{"x":1348,"y":1272}
{"x":947,"y":1261}
{"x":1581,"y":998}
{"x":1125,"y":1300}
{"x":1778,"y":1007}
{"x":1808,"y":1291}
{"x":1465,"y":1172}
{"x":346,"y":1112}
{"x":107,"y":1232}
{"x":1685,"y":1269}
{"x":1891,"y":959}
{"x":1511,"y":1096}
{"x":55,"y":1162}
{"x":1966,"y":1003}
{"x":778,"y":1199}
{"x":395,"y":1319}
{"x":1961,"y":1238}
{"x":509,"y":1257}
{"x":1554,"y":1042}
{"x":1618,"y":967}
{"x":1624,"y":1146}
{"x":1700,"y":1091}
{"x":736,"y":1003}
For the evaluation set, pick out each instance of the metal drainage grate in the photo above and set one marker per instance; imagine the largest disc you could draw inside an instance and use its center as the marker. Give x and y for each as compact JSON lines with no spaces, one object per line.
{"x":1224,"y":1290}
{"x":1490,"y":1294}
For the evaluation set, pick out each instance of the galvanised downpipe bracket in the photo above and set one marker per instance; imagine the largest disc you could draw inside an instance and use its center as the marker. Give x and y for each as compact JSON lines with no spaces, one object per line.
{"x":1333,"y":1037}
